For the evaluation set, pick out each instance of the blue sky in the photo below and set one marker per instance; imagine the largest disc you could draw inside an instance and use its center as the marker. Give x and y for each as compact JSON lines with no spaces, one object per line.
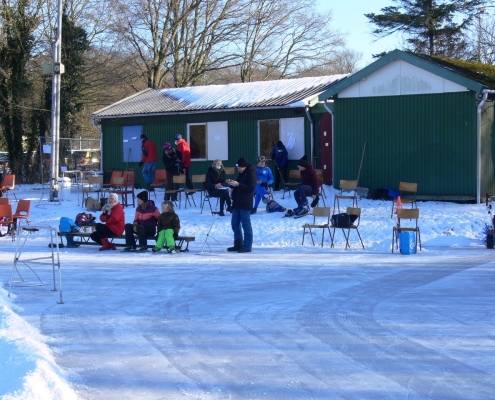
{"x":348,"y":17}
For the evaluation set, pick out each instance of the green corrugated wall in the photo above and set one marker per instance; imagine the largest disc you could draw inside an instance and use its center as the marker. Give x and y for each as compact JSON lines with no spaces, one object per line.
{"x":243,"y":135}
{"x":428,"y":139}
{"x":488,"y":149}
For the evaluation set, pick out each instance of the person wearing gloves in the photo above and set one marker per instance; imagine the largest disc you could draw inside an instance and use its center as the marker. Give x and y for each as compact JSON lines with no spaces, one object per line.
{"x":309,"y":186}
{"x":168,"y":228}
{"x":113,"y":219}
{"x":281,"y":158}
{"x":242,"y":204}
{"x":264,"y":178}
{"x":215,"y":185}
{"x":144,"y":224}
{"x":149,"y":159}
{"x":184,"y":154}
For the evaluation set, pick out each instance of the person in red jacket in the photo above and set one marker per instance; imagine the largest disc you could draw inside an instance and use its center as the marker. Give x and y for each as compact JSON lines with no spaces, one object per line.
{"x":184,"y":154}
{"x":309,"y":186}
{"x":113,"y":218}
{"x":144,"y":225}
{"x":149,"y":160}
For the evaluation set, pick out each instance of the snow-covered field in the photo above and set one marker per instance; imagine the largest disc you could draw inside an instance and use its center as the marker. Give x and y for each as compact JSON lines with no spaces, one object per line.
{"x":285,"y":321}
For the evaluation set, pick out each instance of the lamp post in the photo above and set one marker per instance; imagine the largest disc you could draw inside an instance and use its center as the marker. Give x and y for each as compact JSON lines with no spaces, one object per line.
{"x":55,"y":116}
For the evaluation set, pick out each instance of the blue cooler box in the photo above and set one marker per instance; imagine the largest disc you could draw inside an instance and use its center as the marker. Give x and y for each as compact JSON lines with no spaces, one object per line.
{"x":407,"y":242}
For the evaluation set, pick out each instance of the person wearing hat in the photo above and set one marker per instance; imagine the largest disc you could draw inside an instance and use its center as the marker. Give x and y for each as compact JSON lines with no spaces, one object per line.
{"x":170,"y":159}
{"x":242,"y":204}
{"x":184,"y":154}
{"x":144,"y":225}
{"x":309,"y":186}
{"x":281,"y":158}
{"x":148,"y":160}
{"x":264,"y":178}
{"x":113,"y":220}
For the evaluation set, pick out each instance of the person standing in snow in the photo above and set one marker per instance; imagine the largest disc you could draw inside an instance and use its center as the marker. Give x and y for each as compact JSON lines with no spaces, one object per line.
{"x":113,"y":218}
{"x":281,"y":158}
{"x":264,"y":178}
{"x":144,"y":224}
{"x":184,"y":154}
{"x":169,"y":158}
{"x":148,"y":160}
{"x":242,"y":204}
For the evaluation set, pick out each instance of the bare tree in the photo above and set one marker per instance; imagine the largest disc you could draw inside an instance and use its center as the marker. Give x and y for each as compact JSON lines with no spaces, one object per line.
{"x":204,"y":42}
{"x":283,"y":38}
{"x":148,"y":29}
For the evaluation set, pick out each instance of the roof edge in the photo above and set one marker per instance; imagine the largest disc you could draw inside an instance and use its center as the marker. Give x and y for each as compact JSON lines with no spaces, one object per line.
{"x":121,"y":101}
{"x":409,"y":58}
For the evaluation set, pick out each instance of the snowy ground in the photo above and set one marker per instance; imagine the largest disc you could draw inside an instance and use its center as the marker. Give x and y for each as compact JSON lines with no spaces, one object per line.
{"x":285,"y":321}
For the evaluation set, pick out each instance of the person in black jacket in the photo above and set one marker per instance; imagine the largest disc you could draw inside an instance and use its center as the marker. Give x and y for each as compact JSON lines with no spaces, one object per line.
{"x":242,"y":204}
{"x":170,"y":159}
{"x":215,"y":184}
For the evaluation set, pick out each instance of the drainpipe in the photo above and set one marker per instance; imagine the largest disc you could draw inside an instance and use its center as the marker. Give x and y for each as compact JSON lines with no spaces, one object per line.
{"x":311,"y":133}
{"x":325,"y":104}
{"x":479,"y":96}
{"x":93,"y":121}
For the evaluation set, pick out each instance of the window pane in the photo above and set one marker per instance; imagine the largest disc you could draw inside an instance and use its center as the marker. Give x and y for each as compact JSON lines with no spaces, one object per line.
{"x":197,"y":141}
{"x":269,"y":136}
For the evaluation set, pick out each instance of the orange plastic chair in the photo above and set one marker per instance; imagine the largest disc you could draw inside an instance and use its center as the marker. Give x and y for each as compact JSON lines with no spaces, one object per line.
{"x":22,"y":212}
{"x":6,"y":219}
{"x":160,"y":180}
{"x":8,"y":185}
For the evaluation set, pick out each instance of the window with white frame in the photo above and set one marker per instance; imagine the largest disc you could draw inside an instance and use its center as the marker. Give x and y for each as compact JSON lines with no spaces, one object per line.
{"x":208,"y":141}
{"x":289,"y":130}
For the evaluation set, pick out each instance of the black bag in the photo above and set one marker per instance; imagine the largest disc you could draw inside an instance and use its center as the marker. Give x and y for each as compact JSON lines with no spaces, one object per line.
{"x":341,"y":220}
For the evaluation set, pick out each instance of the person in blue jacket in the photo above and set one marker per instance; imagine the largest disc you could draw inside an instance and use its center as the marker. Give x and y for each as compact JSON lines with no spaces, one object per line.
{"x":264,"y":179}
{"x":281,"y":158}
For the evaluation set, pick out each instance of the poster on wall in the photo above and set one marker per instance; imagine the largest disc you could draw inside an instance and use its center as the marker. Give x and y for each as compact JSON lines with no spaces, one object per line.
{"x":292,"y":133}
{"x":131,"y":143}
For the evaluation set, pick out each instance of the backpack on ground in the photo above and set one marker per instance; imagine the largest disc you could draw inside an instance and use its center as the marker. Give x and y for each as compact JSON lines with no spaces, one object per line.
{"x":272,"y":206}
{"x":92,"y":204}
{"x":341,"y":220}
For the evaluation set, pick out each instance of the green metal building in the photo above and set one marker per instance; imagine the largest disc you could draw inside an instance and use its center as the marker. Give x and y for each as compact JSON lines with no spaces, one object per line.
{"x":219,"y":122}
{"x":423,"y":120}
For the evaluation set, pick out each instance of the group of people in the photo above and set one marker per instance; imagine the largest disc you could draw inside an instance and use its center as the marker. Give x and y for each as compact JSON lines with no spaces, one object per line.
{"x":236,"y":196}
{"x":148,"y":222}
{"x":177,"y":161}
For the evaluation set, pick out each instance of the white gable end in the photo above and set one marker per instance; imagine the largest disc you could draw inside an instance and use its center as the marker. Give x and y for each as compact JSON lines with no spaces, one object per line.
{"x":400,"y":78}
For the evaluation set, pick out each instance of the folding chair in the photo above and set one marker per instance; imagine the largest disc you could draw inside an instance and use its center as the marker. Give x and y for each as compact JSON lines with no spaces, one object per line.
{"x":318,"y":212}
{"x":128,"y":188}
{"x":198,"y":179}
{"x":5,"y":201}
{"x":353,"y":211}
{"x":229,"y":171}
{"x":6,"y":219}
{"x":321,"y":193}
{"x":95,"y":184}
{"x":8,"y":185}
{"x":295,"y":176}
{"x":407,"y":193}
{"x":111,"y":184}
{"x":346,"y":186}
{"x":207,"y":198}
{"x":411,"y":214}
{"x":178,"y":180}
{"x":160,"y":180}
{"x":22,"y":212}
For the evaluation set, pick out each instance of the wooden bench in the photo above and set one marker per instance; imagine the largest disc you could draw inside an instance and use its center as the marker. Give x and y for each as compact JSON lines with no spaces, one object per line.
{"x":85,"y":238}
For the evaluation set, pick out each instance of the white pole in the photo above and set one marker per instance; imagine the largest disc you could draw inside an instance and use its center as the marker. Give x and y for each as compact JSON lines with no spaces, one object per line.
{"x":55,"y":125}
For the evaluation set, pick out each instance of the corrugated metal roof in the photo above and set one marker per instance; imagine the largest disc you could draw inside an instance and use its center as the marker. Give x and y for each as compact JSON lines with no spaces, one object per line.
{"x":234,"y":96}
